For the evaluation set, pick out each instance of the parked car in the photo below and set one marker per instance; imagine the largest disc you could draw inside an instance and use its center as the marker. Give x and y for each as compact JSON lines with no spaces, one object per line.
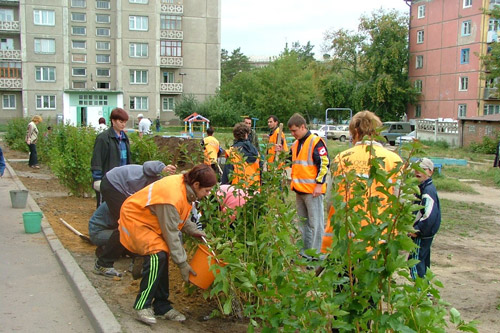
{"x":410,"y":137}
{"x":341,"y":133}
{"x":323,"y":130}
{"x":395,"y":129}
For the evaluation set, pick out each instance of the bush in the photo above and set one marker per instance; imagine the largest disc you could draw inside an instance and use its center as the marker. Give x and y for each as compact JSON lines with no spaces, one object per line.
{"x":488,"y":146}
{"x":16,"y":134}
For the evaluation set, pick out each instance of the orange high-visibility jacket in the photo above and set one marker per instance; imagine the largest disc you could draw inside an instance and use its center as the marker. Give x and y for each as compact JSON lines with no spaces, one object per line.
{"x":211,"y":150}
{"x":304,"y":171}
{"x":140,"y":230}
{"x":249,"y":172}
{"x":273,"y":139}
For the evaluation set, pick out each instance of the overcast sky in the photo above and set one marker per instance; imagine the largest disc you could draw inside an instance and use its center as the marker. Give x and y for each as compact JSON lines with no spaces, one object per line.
{"x":263,"y":27}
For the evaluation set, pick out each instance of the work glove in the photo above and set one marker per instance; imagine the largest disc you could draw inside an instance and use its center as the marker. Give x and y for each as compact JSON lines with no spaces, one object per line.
{"x":97,"y":185}
{"x":198,"y":233}
{"x":185,"y":270}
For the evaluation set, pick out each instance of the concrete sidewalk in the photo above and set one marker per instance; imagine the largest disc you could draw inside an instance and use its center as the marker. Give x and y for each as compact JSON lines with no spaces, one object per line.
{"x":43,"y":288}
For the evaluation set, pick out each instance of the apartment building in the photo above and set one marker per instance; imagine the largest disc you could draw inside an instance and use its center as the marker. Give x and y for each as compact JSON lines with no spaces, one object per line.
{"x":447,"y":39}
{"x":76,"y":60}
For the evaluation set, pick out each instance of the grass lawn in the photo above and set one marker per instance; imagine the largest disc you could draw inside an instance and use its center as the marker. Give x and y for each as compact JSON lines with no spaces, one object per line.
{"x":465,"y":218}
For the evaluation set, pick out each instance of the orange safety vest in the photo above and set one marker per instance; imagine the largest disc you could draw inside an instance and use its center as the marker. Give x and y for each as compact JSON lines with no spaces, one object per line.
{"x":211,"y":150}
{"x":328,"y":235}
{"x":273,"y":139}
{"x":304,"y":171}
{"x":250,"y":173}
{"x":140,"y":230}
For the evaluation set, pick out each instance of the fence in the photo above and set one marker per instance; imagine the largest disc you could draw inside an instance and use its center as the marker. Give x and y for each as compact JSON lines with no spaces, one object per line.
{"x":436,"y":130}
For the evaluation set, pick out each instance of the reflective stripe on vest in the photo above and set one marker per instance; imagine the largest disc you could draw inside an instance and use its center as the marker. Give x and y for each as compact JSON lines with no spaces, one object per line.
{"x":304,"y":171}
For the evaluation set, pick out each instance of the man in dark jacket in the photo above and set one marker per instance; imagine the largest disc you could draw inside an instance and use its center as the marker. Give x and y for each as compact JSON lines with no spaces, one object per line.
{"x":111,"y":149}
{"x":427,"y":220}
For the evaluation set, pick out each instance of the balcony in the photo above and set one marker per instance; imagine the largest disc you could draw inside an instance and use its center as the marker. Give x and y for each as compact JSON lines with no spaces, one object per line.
{"x":172,"y":9}
{"x":171,"y":62}
{"x":9,"y":26}
{"x":491,"y":93}
{"x":172,"y":34}
{"x":9,"y":2}
{"x":10,"y":54}
{"x":171,"y":88}
{"x":11,"y":83}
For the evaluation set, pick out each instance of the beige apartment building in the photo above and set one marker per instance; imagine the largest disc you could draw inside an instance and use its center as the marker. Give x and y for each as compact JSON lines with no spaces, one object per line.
{"x":76,"y":60}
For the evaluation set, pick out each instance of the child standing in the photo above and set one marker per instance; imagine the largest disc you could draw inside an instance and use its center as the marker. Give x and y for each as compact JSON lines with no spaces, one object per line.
{"x":427,"y":220}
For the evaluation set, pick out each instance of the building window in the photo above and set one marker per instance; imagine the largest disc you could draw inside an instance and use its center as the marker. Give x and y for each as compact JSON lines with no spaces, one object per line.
{"x":466,"y":28}
{"x":103,"y":32}
{"x":138,"y":23}
{"x":491,"y":109}
{"x":79,"y":17}
{"x":9,"y":101}
{"x":79,"y":58}
{"x":167,"y":1}
{"x":103,"y":18}
{"x":138,"y":50}
{"x":170,"y":22}
{"x":420,"y":37}
{"x":101,"y":45}
{"x":103,"y":4}
{"x":103,"y":72}
{"x":79,"y":3}
{"x":45,"y":74}
{"x":44,"y":17}
{"x":170,"y":48}
{"x":419,"y":61}
{"x":462,"y":110}
{"x":168,"y":104}
{"x":418,"y":86}
{"x":79,"y":84}
{"x":79,"y":44}
{"x":142,"y":2}
{"x":168,"y":77}
{"x":79,"y":71}
{"x":418,"y":111}
{"x":79,"y":31}
{"x":464,"y":83}
{"x":421,"y":11}
{"x":92,"y":99}
{"x":138,"y":103}
{"x":6,"y":14}
{"x":494,"y":24}
{"x":6,"y":43}
{"x":464,"y":56}
{"x":102,"y":85}
{"x":103,"y":58}
{"x":45,"y":102}
{"x":138,"y":76}
{"x":46,"y":46}
{"x":488,"y":130}
{"x":472,"y":128}
{"x":467,"y":3}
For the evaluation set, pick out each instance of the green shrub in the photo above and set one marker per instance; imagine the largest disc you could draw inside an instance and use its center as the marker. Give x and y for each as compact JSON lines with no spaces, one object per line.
{"x":16,"y":133}
{"x":488,"y":146}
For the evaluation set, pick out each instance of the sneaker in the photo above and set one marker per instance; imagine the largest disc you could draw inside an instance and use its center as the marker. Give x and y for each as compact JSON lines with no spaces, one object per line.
{"x":106,"y":271}
{"x":173,"y":315}
{"x":146,"y":316}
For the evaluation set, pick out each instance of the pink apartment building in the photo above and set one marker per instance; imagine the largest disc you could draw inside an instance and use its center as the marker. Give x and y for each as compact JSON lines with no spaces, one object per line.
{"x":447,"y":39}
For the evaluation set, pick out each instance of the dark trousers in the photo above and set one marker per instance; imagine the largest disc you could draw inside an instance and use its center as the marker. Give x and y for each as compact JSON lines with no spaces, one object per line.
{"x":110,"y":252}
{"x":33,"y":155}
{"x":112,"y":197}
{"x":423,"y":254}
{"x":154,"y":284}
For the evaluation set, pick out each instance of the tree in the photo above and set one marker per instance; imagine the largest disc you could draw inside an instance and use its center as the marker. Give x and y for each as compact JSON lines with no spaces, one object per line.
{"x":187,"y":105}
{"x":491,"y":60}
{"x":233,"y":64}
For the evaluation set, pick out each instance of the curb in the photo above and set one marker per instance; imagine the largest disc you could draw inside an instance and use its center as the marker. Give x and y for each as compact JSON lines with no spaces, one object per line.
{"x":98,"y":312}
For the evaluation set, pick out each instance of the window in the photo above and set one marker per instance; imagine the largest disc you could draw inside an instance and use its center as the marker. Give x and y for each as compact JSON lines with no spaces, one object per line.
{"x":138,"y":103}
{"x":78,"y":17}
{"x":138,"y":23}
{"x":93,"y":99}
{"x":79,"y":84}
{"x":143,"y":2}
{"x":170,"y":22}
{"x":43,"y":45}
{"x":464,"y":56}
{"x":167,"y":1}
{"x":104,"y":72}
{"x":138,"y":50}
{"x":472,"y":128}
{"x":467,"y":3}
{"x":418,"y":111}
{"x":168,"y":77}
{"x":101,"y":45}
{"x":79,"y":58}
{"x":44,"y":17}
{"x":466,"y":28}
{"x":80,"y":31}
{"x":103,"y":58}
{"x":491,"y":109}
{"x":47,"y":102}
{"x":420,"y":37}
{"x":45,"y":74}
{"x":463,"y":83}
{"x":488,"y":130}
{"x":421,"y":11}
{"x":138,"y":76}
{"x":79,"y":71}
{"x":79,"y":44}
{"x":103,"y":32}
{"x":102,"y":85}
{"x":168,"y":104}
{"x":418,"y":86}
{"x":79,"y":3}
{"x":103,"y":4}
{"x":419,"y":61}
{"x":170,"y":48}
{"x":6,"y":44}
{"x":9,"y":101}
{"x":103,"y":18}
{"x":462,"y":110}
{"x":494,"y":24}
{"x":6,"y":14}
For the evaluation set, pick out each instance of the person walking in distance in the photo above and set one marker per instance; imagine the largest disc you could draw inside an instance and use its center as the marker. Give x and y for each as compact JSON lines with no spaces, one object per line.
{"x":31,"y":139}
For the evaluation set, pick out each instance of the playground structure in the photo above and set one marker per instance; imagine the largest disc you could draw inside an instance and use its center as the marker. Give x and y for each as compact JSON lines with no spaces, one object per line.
{"x":188,"y":126}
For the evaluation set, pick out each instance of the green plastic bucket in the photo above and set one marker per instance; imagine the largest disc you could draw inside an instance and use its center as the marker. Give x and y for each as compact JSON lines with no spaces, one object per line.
{"x":18,"y":198}
{"x":32,"y":222}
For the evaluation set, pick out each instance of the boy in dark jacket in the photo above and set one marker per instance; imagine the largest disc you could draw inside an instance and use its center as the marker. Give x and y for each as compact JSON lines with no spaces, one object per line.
{"x":427,"y":220}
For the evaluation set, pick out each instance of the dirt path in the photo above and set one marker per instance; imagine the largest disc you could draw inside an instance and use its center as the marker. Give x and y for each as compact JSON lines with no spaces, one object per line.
{"x":487,"y":195}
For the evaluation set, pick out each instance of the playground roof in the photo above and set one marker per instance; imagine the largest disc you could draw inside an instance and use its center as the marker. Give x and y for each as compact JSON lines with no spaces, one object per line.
{"x":196,"y":117}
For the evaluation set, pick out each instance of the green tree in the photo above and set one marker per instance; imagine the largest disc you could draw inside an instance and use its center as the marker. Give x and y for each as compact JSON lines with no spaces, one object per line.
{"x":233,"y":64}
{"x":187,"y":105}
{"x":492,"y":59}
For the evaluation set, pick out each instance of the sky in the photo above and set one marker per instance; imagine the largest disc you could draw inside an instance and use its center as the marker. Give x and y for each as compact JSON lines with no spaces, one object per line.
{"x":263,"y":27}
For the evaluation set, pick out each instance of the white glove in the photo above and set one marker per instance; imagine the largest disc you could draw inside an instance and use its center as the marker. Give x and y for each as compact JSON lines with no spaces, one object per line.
{"x":97,"y":185}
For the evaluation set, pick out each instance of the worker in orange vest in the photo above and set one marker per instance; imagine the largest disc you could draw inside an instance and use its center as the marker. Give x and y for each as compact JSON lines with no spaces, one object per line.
{"x":272,"y":123}
{"x":150,"y":221}
{"x":211,"y":149}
